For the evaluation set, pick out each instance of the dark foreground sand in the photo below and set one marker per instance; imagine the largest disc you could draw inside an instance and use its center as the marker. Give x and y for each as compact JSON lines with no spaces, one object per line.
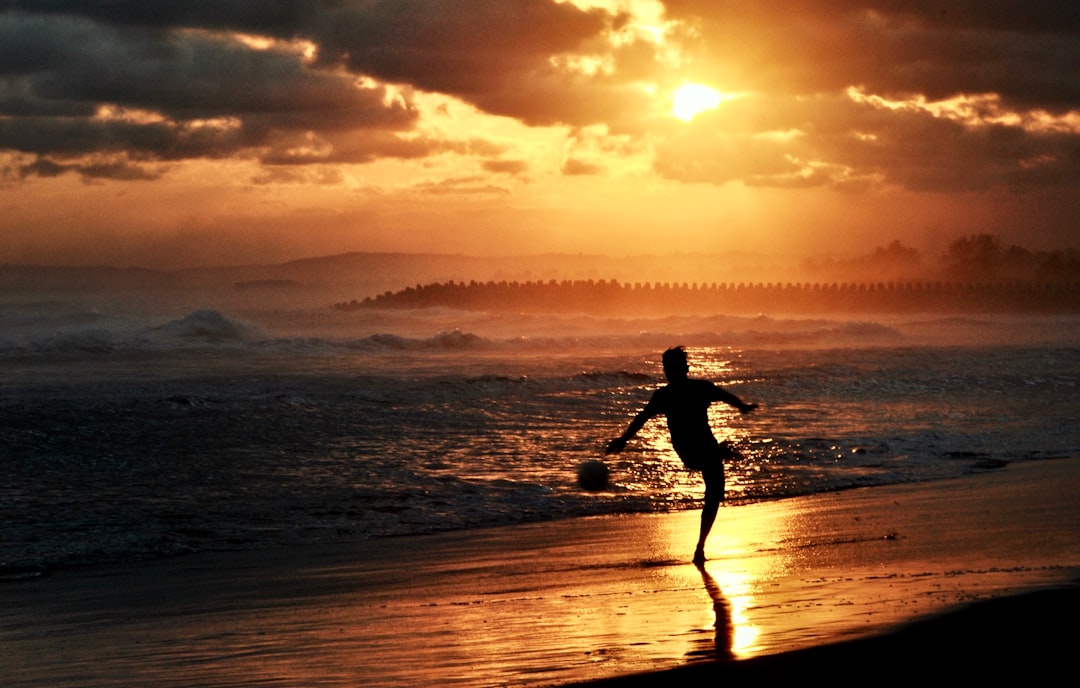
{"x":825,"y":586}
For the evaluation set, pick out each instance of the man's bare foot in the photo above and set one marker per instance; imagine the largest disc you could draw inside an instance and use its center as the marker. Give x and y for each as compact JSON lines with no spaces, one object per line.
{"x":699,"y":556}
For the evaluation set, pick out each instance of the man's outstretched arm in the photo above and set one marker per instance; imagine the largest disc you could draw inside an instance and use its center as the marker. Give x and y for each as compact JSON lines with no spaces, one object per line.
{"x":619,"y":443}
{"x":721,"y":394}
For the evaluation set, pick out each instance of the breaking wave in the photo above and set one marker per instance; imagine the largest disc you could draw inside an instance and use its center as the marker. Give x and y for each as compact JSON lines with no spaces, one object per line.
{"x":453,"y":340}
{"x":210,"y":325}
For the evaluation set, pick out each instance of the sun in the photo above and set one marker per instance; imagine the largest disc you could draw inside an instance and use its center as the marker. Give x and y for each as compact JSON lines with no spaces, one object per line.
{"x":690,"y":99}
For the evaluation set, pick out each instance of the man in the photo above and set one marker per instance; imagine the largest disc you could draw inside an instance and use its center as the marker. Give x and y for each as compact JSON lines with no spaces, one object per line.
{"x":685,"y":403}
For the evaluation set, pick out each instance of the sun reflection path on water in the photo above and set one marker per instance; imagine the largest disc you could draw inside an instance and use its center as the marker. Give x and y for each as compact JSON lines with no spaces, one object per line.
{"x":742,"y":561}
{"x":763,"y":561}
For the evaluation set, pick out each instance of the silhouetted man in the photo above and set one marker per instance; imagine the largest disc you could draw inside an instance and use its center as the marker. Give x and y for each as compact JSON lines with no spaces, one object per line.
{"x":685,"y":403}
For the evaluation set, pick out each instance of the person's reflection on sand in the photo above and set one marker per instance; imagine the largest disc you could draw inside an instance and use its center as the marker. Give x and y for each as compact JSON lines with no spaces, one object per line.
{"x":725,"y":631}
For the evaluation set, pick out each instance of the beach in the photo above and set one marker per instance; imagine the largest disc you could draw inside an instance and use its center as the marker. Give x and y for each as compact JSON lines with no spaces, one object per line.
{"x":601,"y":598}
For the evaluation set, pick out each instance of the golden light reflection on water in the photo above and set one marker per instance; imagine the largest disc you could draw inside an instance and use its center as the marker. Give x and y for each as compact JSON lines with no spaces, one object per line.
{"x":711,"y":363}
{"x":734,"y":590}
{"x":745,"y":556}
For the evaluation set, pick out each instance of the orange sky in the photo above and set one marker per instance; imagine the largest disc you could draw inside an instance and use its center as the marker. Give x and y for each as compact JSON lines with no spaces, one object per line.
{"x":171,"y":134}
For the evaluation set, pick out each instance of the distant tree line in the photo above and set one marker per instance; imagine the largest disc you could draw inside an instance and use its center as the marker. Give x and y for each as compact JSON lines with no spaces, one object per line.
{"x":608,"y":297}
{"x":976,"y":258}
{"x":983,"y":257}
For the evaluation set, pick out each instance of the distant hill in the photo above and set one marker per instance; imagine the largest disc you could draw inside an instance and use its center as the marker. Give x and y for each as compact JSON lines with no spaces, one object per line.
{"x":328,"y":279}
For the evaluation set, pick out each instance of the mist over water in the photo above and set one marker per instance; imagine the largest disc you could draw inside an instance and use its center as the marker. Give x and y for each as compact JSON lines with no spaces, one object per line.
{"x":133,"y":427}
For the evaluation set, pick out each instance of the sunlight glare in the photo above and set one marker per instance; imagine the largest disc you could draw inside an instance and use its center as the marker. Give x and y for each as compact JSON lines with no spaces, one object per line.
{"x":692,"y":99}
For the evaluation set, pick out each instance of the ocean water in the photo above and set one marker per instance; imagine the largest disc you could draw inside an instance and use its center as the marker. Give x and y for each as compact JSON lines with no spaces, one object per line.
{"x":128,"y":434}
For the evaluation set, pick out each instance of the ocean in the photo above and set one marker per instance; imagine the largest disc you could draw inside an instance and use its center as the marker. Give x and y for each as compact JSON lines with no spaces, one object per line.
{"x":135,"y":433}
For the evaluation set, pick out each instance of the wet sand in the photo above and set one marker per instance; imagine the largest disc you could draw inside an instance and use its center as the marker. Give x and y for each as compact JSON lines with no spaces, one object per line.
{"x":796,"y":585}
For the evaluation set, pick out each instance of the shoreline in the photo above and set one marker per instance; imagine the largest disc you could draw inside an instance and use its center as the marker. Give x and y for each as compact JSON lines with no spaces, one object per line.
{"x":597,"y":598}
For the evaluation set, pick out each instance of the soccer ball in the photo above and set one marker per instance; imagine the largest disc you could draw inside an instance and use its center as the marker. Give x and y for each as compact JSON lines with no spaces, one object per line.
{"x":593,"y":475}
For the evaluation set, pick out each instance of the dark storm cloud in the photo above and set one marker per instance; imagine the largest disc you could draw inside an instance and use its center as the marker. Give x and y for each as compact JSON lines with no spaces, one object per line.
{"x":277,"y":17}
{"x":81,"y":136}
{"x":207,"y":96}
{"x":494,"y":53}
{"x":61,"y":60}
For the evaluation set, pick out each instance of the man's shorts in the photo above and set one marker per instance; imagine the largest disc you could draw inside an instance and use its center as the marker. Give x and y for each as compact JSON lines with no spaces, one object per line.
{"x":711,"y":457}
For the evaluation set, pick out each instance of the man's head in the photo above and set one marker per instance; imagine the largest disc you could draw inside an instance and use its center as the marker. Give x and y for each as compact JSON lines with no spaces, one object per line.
{"x":675,"y":364}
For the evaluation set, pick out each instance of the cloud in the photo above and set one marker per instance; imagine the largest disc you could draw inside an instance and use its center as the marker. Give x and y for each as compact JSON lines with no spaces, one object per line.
{"x":1026,"y":52}
{"x":481,"y":50}
{"x":217,"y":79}
{"x":844,"y":94}
{"x":310,"y":174}
{"x":70,"y":86}
{"x":515,"y":59}
{"x":851,"y":95}
{"x":97,"y":168}
{"x":846,"y":142}
{"x":574,"y":167}
{"x":510,"y":167}
{"x":458,"y":186}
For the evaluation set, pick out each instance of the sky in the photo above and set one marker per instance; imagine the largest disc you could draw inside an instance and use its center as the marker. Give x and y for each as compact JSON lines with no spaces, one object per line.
{"x":218,"y":132}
